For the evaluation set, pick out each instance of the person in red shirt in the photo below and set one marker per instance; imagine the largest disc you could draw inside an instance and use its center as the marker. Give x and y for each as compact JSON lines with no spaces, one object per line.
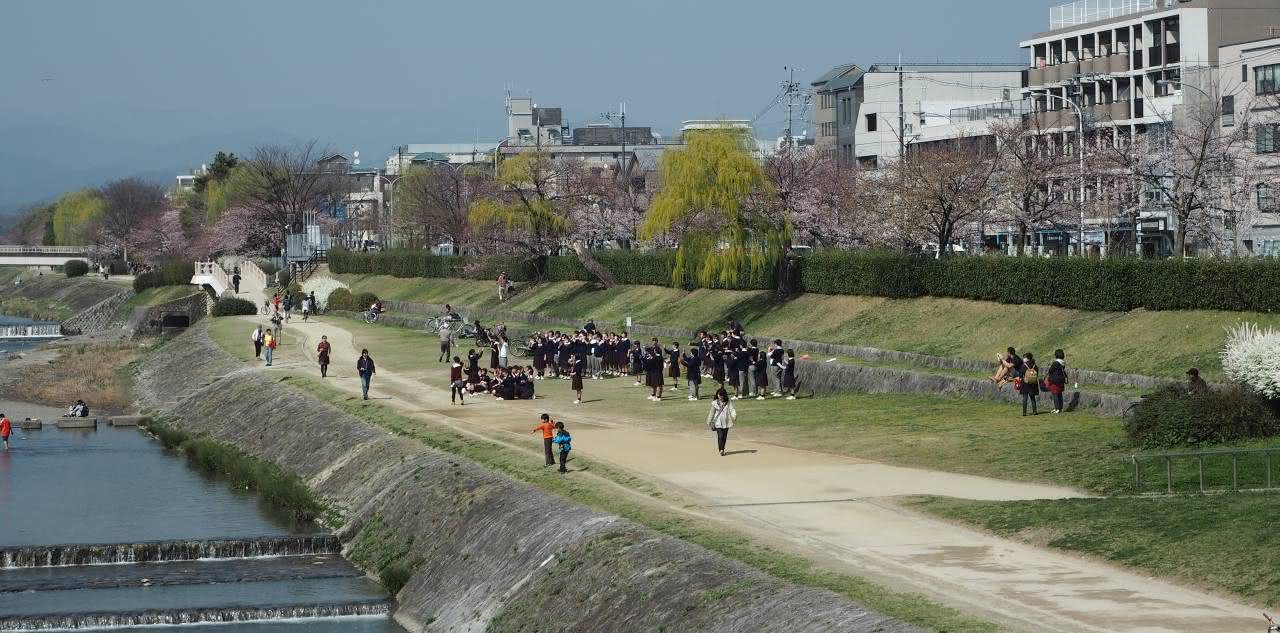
{"x":548,"y":429}
{"x":6,"y":427}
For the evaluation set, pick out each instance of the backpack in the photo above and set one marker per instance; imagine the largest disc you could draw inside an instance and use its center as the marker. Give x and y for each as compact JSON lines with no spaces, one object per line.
{"x":1031,"y":375}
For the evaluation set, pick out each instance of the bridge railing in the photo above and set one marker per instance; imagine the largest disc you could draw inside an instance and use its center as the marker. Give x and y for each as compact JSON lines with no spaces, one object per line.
{"x":252,"y":275}
{"x":19,"y":249}
{"x":212,"y":269}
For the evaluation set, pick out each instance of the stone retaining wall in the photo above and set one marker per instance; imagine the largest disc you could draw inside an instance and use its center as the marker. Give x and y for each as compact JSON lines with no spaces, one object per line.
{"x":101,"y":316}
{"x":496,"y":554}
{"x":149,"y":320}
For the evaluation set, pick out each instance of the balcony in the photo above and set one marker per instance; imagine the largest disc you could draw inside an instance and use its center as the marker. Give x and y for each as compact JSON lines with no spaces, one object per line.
{"x":1038,"y":77}
{"x":1066,"y":70}
{"x":1118,"y":63}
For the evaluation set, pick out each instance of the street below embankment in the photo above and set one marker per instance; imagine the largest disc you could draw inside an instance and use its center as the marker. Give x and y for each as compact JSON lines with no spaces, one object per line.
{"x":836,"y":509}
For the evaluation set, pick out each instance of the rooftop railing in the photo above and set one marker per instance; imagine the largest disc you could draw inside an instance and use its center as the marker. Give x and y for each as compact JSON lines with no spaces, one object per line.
{"x":1086,"y":11}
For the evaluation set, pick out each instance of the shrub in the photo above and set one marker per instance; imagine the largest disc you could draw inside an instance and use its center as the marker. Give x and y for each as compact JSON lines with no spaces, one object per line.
{"x":76,"y":268}
{"x":339,"y":299}
{"x":172,"y":272}
{"x":1251,"y":357}
{"x":1173,"y":417}
{"x":233,"y":306}
{"x":362,"y":301}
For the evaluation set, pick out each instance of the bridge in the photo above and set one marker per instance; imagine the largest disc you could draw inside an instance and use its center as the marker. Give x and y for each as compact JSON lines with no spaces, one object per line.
{"x":19,"y":255}
{"x":212,"y":276}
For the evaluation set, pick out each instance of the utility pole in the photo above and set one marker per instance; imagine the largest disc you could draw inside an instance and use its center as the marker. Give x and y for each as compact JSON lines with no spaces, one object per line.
{"x":902,"y":114}
{"x":624,"y":168}
{"x":791,"y":89}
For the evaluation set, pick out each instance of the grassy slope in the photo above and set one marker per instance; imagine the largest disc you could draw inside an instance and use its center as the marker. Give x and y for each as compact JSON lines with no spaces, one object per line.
{"x":51,"y":296}
{"x":1154,"y":343}
{"x":229,"y":333}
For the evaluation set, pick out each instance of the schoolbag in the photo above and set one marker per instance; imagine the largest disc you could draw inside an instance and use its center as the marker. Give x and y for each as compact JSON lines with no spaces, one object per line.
{"x":1031,"y":375}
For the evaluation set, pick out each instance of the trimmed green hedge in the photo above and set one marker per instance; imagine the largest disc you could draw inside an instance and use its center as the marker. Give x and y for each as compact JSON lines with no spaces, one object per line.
{"x":1112,"y":285}
{"x":76,"y":268}
{"x":233,"y":306}
{"x":174,"y":272}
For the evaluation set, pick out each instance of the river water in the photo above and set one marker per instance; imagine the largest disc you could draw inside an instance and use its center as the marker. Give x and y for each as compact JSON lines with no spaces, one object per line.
{"x":18,"y":344}
{"x":105,"y":529}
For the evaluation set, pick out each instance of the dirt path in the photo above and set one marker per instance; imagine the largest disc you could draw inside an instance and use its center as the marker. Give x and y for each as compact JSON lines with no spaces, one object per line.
{"x":836,"y":509}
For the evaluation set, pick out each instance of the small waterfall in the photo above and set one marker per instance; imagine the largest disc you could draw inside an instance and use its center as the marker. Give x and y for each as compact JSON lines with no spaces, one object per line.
{"x":161,"y":551}
{"x":189,"y":616}
{"x":34,"y":330}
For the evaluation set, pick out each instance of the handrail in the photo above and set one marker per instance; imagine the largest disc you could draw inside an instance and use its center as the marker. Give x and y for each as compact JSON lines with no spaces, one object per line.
{"x":250,"y":272}
{"x":43,"y":250}
{"x":1234,"y":453}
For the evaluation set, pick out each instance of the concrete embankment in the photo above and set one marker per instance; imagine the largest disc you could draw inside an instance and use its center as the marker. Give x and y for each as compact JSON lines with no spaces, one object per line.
{"x":491,"y":554}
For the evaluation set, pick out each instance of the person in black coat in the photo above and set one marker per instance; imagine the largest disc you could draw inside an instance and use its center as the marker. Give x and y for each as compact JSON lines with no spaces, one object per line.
{"x":790,"y":384}
{"x":761,"y":371}
{"x":673,"y":364}
{"x":1030,"y":388}
{"x":576,"y":365}
{"x":653,"y":371}
{"x":692,"y":362}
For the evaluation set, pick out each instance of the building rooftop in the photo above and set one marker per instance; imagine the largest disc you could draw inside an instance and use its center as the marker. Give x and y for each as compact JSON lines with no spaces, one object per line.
{"x":946,"y":68}
{"x":834,"y":73}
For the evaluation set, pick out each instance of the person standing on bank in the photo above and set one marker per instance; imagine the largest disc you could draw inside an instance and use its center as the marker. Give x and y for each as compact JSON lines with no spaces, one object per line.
{"x":575,"y":370}
{"x":721,"y":418}
{"x":257,"y":342}
{"x":322,"y":354}
{"x":565,"y":442}
{"x":1056,"y":378}
{"x":457,"y":386}
{"x":548,"y":429}
{"x":789,"y":383}
{"x":235,"y":281}
{"x":269,"y":344}
{"x":366,"y":369}
{"x":1030,"y":388}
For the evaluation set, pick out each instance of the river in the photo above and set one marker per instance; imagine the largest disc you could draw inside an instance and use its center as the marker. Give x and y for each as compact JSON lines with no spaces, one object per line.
{"x":105,"y":529}
{"x":18,"y":344}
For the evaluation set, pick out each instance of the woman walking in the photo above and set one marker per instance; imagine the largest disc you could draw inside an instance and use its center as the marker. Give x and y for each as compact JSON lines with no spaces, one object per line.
{"x":457,"y":387}
{"x":1030,"y":388}
{"x":322,"y":353}
{"x":268,"y":346}
{"x":575,"y":370}
{"x":1057,"y":378}
{"x":366,"y":369}
{"x":721,"y":418}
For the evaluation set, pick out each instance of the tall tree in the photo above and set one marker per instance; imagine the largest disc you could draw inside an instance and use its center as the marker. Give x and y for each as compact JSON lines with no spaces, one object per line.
{"x":434,"y":201}
{"x":280,"y":187}
{"x":76,"y":217}
{"x":531,"y":211}
{"x":128,"y":204}
{"x":1032,"y":179}
{"x":705,"y":206}
{"x":218,"y":171}
{"x":942,"y":191}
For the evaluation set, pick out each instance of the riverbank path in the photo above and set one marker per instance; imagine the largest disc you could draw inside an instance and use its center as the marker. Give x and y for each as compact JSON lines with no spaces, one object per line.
{"x":838,"y":510}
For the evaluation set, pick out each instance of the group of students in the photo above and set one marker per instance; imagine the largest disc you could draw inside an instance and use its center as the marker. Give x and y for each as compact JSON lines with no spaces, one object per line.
{"x":503,"y":382}
{"x":1024,"y":373}
{"x":277,"y":306}
{"x":727,"y":357}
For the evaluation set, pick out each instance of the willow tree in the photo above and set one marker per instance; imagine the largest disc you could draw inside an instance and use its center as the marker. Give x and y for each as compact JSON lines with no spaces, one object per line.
{"x":715,"y":204}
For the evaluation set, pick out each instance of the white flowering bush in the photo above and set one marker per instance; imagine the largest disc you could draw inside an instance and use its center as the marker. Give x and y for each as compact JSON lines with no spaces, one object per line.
{"x":323,"y":287}
{"x":1251,"y":357}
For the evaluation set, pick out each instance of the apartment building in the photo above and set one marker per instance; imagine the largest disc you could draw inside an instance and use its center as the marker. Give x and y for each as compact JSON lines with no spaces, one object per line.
{"x":869,"y":117}
{"x":1248,"y":77}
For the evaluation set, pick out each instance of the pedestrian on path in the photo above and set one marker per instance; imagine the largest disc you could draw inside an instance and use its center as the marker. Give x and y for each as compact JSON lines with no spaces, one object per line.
{"x":277,"y":324}
{"x":446,"y":341}
{"x":457,"y":386}
{"x":366,"y":369}
{"x":548,"y":429}
{"x":288,"y":306}
{"x":322,"y":353}
{"x":268,"y":345}
{"x":257,"y":341}
{"x":6,"y":428}
{"x":306,"y":308}
{"x":721,"y":418}
{"x":235,"y":281}
{"x":565,"y":442}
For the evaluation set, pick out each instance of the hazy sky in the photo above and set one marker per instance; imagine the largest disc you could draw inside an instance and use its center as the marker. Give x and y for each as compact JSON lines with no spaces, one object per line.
{"x":372,"y":74}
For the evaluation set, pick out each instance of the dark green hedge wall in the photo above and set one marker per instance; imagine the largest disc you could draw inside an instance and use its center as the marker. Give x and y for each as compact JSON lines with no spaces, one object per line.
{"x":1107,"y":285}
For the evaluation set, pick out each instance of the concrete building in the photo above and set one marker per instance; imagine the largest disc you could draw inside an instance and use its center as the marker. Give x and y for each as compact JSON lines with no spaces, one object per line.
{"x":1248,"y":78}
{"x":870,"y":117}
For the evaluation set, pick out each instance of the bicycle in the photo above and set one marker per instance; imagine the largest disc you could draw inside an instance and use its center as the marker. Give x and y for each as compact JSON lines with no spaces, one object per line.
{"x":1272,"y":627}
{"x":370,"y":316}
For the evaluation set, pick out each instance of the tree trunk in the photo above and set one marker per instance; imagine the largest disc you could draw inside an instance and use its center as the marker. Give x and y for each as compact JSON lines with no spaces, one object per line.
{"x":595,"y":267}
{"x":1022,"y":238}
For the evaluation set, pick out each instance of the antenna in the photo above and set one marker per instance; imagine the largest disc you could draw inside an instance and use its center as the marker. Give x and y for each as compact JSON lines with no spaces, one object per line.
{"x":791,"y":89}
{"x":621,"y":115}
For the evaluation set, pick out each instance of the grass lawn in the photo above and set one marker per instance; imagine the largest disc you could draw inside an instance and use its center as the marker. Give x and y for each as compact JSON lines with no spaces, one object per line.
{"x":1142,"y":342}
{"x":1226,"y":543}
{"x":156,"y":296}
{"x":964,"y":436}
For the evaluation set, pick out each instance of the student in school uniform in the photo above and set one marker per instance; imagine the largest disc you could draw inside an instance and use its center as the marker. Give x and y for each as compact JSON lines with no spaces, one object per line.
{"x":673,"y":364}
{"x":777,"y":362}
{"x":653,"y":371}
{"x":457,"y":387}
{"x":761,"y":372}
{"x":692,"y":362}
{"x":731,"y":370}
{"x":576,"y":367}
{"x":789,"y":382}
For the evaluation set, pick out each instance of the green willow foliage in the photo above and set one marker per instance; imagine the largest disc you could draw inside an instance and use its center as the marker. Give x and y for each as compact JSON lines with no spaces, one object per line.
{"x":705,"y":198}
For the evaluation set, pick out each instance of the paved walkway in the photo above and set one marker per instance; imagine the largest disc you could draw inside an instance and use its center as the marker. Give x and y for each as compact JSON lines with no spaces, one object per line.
{"x":838,"y":510}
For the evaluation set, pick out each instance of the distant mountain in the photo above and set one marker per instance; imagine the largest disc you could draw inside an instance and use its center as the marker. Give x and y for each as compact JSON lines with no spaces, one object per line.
{"x":39,"y":161}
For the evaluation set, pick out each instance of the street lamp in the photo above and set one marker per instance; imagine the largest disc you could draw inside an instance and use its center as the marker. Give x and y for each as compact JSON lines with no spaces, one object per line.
{"x":1080,"y":131}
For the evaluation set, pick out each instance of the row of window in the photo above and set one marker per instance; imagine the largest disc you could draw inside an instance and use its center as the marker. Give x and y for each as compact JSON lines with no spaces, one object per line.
{"x":1266,"y":79}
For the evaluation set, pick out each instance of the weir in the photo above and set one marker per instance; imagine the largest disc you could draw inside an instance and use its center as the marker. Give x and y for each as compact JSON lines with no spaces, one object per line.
{"x":72,"y":621}
{"x":166,"y":551}
{"x":33,"y":330}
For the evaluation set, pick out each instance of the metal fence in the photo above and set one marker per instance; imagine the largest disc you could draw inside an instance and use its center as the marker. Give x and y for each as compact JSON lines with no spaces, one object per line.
{"x":1250,"y":470}
{"x":986,"y":111}
{"x":1086,"y":11}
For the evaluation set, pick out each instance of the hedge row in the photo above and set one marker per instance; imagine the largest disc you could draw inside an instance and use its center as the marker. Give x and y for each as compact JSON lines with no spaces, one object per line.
{"x":627,"y":267}
{"x":1115,"y":285}
{"x":173,"y":272}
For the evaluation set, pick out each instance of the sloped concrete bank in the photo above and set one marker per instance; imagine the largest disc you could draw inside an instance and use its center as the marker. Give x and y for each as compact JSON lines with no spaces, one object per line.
{"x":492,"y":554}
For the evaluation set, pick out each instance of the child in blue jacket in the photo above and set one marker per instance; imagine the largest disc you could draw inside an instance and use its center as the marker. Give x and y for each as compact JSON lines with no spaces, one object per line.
{"x":564,"y":441}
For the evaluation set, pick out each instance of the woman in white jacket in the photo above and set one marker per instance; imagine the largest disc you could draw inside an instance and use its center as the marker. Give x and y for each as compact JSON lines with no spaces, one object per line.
{"x":721,"y":418}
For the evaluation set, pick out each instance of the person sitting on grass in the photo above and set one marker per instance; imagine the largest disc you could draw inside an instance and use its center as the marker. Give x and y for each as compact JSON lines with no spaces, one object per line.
{"x":1196,"y":384}
{"x":1009,"y":366}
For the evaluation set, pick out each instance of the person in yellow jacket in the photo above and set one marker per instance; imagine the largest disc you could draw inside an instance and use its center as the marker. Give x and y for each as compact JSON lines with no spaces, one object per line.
{"x":268,"y":345}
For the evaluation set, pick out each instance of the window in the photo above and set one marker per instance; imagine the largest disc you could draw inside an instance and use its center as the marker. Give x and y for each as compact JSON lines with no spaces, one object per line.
{"x":1266,"y":79}
{"x":1244,"y":73}
{"x":828,"y":101}
{"x":871,"y":122}
{"x":846,"y":110}
{"x":1266,"y":198}
{"x":1265,"y":138}
{"x":1228,"y":111}
{"x":828,"y":129}
{"x":1006,"y":94}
